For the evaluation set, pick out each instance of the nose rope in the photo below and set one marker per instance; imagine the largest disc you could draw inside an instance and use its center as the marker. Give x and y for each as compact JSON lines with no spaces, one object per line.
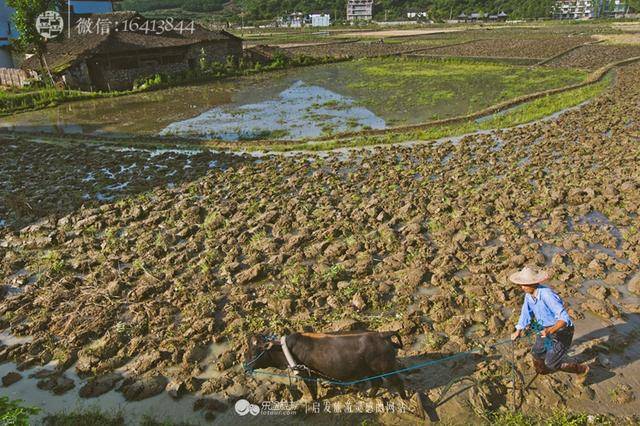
{"x":248,"y":364}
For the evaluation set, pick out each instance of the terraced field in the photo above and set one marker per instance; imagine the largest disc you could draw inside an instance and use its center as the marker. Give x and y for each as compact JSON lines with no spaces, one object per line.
{"x":512,"y":48}
{"x":596,"y":56}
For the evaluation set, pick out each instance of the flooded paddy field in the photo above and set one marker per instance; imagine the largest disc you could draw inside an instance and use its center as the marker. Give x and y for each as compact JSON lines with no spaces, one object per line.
{"x":302,"y":103}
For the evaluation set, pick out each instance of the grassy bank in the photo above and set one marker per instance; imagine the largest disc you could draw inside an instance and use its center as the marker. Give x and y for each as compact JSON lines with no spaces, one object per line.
{"x":12,"y":102}
{"x":557,"y":418}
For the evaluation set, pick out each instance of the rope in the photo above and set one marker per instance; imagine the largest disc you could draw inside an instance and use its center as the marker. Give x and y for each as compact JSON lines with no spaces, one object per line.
{"x":535,"y":327}
{"x":378,"y":376}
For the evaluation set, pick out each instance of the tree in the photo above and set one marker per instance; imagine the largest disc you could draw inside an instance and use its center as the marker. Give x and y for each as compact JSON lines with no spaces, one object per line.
{"x":24,"y":19}
{"x":635,"y":5}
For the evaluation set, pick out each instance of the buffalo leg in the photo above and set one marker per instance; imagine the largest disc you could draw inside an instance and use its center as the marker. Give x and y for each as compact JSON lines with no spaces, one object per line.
{"x":375,"y":385}
{"x":312,"y":387}
{"x":398,"y":384}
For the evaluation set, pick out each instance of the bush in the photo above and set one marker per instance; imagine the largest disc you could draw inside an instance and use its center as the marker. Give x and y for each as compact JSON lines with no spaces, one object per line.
{"x":557,"y":418}
{"x":14,"y":414}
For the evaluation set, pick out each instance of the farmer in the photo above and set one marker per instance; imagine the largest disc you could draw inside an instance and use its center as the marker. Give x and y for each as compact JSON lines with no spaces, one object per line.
{"x":543,"y":310}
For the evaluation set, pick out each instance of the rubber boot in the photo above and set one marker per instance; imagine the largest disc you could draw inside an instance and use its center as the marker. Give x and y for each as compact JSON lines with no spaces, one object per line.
{"x":538,"y":365}
{"x":574,"y":368}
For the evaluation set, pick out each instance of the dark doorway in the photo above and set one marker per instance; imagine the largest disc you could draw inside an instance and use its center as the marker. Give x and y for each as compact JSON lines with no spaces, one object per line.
{"x":96,"y":76}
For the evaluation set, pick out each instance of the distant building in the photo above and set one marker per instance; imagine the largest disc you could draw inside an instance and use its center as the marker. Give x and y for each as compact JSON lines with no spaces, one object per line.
{"x":614,"y":9}
{"x":359,"y":10}
{"x":292,"y":20}
{"x":320,"y":19}
{"x":296,"y":20}
{"x":417,"y":15}
{"x":115,"y":59}
{"x":574,"y":9}
{"x":587,"y":9}
{"x":7,"y":32}
{"x":500,"y":17}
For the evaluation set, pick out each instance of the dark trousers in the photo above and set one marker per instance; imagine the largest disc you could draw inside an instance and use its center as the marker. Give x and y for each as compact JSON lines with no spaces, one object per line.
{"x":553,"y":352}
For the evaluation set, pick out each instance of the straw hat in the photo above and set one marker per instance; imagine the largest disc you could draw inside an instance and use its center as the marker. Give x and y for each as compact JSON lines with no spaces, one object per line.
{"x":528,"y":276}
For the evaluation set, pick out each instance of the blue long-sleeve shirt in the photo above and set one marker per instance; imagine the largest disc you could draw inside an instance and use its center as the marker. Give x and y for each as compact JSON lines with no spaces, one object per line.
{"x":546,"y":306}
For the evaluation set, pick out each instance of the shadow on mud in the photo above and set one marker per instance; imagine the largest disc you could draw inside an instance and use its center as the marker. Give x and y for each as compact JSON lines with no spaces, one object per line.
{"x":618,"y":341}
{"x":450,"y":376}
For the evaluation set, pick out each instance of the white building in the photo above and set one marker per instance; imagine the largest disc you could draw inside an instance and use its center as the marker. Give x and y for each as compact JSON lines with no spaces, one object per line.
{"x":359,"y":10}
{"x":617,"y":9}
{"x":587,"y":9}
{"x":320,"y":19}
{"x":417,"y":15}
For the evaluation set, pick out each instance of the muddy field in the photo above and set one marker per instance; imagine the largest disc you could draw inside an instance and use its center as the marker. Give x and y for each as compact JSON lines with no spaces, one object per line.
{"x":512,"y":48}
{"x":419,"y":239}
{"x":134,"y":277}
{"x":360,"y":49}
{"x":596,"y":56}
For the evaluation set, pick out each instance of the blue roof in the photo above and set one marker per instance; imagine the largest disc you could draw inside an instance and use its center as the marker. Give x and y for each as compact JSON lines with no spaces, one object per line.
{"x":7,"y":29}
{"x":86,"y":7}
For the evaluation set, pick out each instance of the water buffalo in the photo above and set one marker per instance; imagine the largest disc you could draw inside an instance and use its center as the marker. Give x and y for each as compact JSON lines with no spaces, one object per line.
{"x":337,"y":356}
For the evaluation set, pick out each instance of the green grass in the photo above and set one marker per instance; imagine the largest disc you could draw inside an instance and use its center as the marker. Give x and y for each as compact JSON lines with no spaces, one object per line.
{"x":557,"y":418}
{"x":13,"y":413}
{"x":16,"y":101}
{"x":410,"y":90}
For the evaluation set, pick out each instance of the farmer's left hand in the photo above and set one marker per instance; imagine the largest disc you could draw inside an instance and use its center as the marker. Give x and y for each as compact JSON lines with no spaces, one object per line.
{"x":545,"y":332}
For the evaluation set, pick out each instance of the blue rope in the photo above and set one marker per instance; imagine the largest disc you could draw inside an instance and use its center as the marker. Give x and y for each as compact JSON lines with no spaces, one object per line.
{"x":366,"y":379}
{"x":536,"y":327}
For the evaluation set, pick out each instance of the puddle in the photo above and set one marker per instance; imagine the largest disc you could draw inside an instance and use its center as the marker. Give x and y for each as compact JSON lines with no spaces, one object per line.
{"x":17,"y":282}
{"x":213,"y":354}
{"x":298,"y":112}
{"x":609,"y":252}
{"x":161,"y":407}
{"x":428,"y":291}
{"x":463,"y":274}
{"x":597,"y":218}
{"x":475,"y":330}
{"x":371,"y":92}
{"x":10,"y":339}
{"x":550,"y":250}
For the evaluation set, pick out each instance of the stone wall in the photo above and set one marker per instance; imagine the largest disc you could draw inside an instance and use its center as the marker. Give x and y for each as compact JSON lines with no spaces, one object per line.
{"x":123,"y":79}
{"x":77,"y":76}
{"x":216,"y":51}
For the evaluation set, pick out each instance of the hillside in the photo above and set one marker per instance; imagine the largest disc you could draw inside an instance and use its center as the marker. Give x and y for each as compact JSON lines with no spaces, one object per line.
{"x":392,"y":9}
